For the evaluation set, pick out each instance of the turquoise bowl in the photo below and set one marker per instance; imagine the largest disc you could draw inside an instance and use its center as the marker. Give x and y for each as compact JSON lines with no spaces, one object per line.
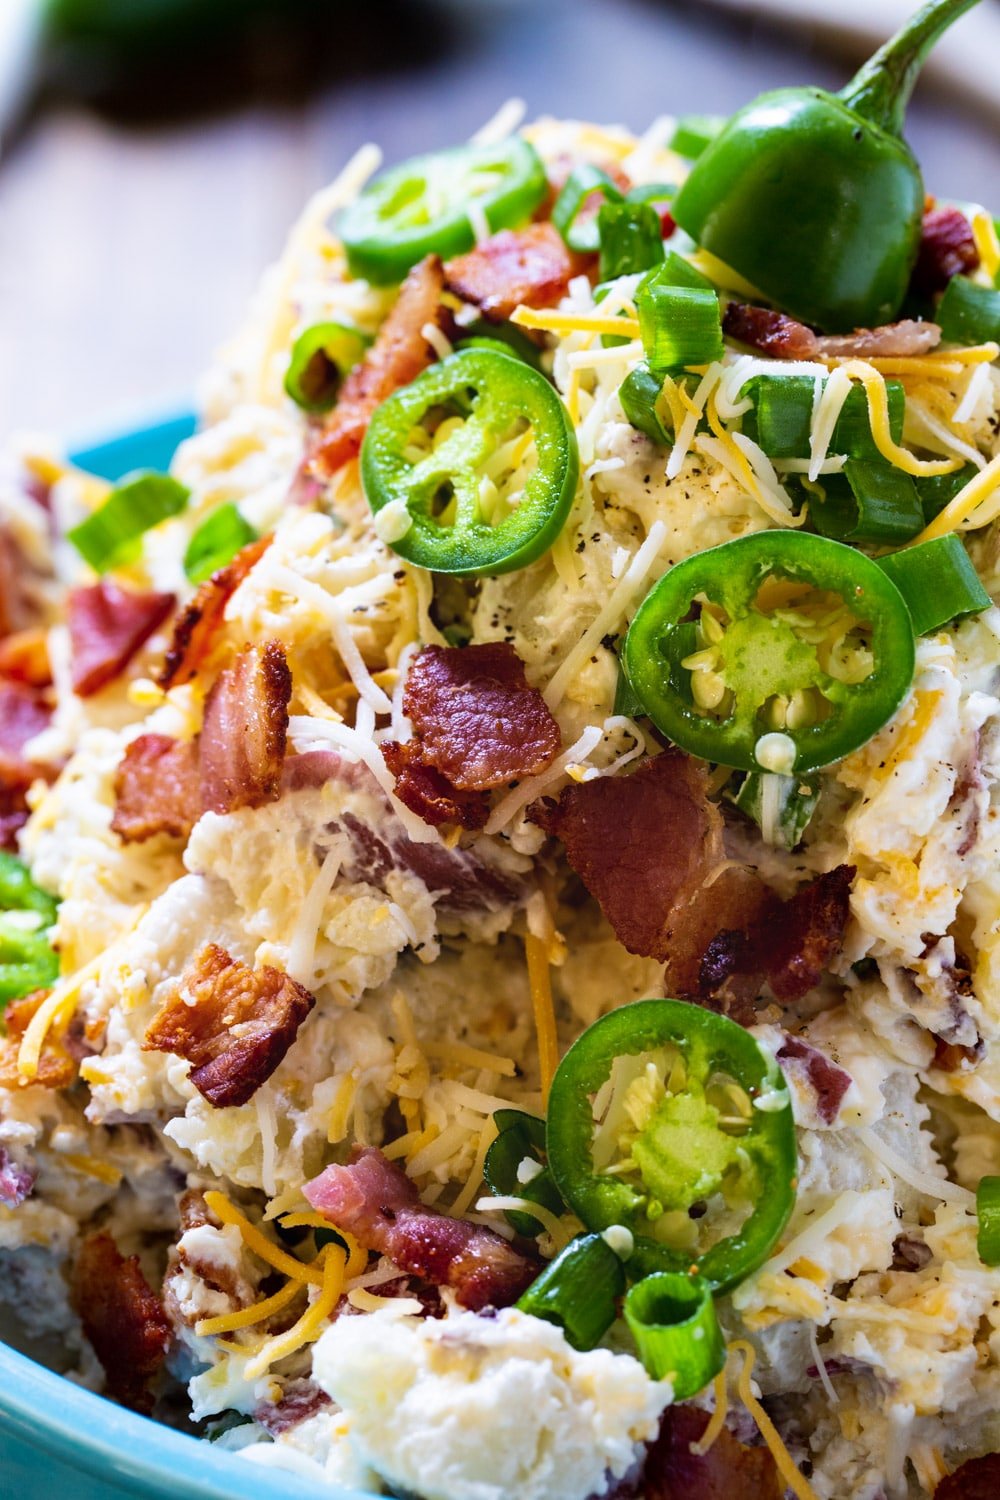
{"x":57,"y":1441}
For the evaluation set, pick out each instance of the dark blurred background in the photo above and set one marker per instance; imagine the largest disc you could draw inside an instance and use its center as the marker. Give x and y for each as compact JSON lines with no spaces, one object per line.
{"x":154,"y":169}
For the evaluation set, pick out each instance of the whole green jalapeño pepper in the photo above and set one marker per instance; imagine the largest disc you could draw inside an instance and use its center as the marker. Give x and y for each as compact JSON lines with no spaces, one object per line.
{"x":775,"y":652}
{"x":478,"y":460}
{"x":814,"y":197}
{"x":422,"y":206}
{"x":671,"y":1120}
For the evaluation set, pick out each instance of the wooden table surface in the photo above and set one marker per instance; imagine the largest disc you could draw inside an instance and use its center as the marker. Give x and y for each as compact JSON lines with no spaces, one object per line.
{"x":130,"y":239}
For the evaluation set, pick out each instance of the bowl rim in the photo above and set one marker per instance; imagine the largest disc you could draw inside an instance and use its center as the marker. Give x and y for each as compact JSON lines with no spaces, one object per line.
{"x":56,"y":1417}
{"x":46,"y":1411}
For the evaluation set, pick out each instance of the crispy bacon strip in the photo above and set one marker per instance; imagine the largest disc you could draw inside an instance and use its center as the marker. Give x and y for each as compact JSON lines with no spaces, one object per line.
{"x":424,"y":790}
{"x":243,"y":736}
{"x":56,"y":1068}
{"x":234,"y":1024}
{"x":201,"y":619}
{"x":123,"y":1319}
{"x":479,"y":721}
{"x":649,"y":848}
{"x":397,"y":356}
{"x":782,"y":337}
{"x":947,"y":249}
{"x":107,"y":626}
{"x":789,"y":945}
{"x":978,"y":1479}
{"x":828,"y":1082}
{"x":533,"y":266}
{"x":157,"y":788}
{"x":730,"y":1470}
{"x":374,"y":1200}
{"x":16,"y":610}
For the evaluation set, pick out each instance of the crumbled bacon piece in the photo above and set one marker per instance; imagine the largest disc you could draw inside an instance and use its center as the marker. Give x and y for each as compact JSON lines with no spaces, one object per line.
{"x":730,"y":1470}
{"x":533,"y":266}
{"x":808,"y":935}
{"x":242,"y":743}
{"x":234,"y":1024}
{"x":24,"y":657}
{"x":977,"y":1479}
{"x":374,"y":1200}
{"x":400,"y":352}
{"x":947,"y":249}
{"x":956,"y":1057}
{"x":107,"y":626}
{"x":828,"y":1082}
{"x":649,"y":847}
{"x":477,"y":718}
{"x":157,"y":788}
{"x":790,"y":944}
{"x":123,"y":1319}
{"x":56,"y":1068}
{"x":775,"y":334}
{"x":425,"y":791}
{"x":462,"y":882}
{"x":201,"y":619}
{"x":16,"y":1181}
{"x":300,"y":1400}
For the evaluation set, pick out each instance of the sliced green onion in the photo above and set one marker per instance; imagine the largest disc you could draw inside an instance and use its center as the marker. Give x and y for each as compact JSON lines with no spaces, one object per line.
{"x":216,"y":542}
{"x":631,"y":239}
{"x":626,"y":702}
{"x":938,"y":490}
{"x":988,"y":1214}
{"x":677,"y":271}
{"x":969,"y":313}
{"x":19,"y":891}
{"x":579,"y":185}
{"x":579,"y":1290}
{"x":651,"y":192}
{"x":781,"y":419}
{"x":639,"y":394}
{"x":521,"y":1139}
{"x":140,"y":502}
{"x":672,"y":1319}
{"x":938,"y":582}
{"x":321,"y":357}
{"x":869,"y":502}
{"x":693,"y":133}
{"x":680,"y":325}
{"x":781,"y":806}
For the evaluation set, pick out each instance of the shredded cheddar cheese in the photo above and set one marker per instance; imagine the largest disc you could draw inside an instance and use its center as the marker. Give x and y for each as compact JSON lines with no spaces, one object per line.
{"x":718,"y":1418}
{"x":259,"y":1243}
{"x":969,"y":509}
{"x":790,"y":1474}
{"x":547,"y":321}
{"x":247,"y":1317}
{"x":308,"y":1328}
{"x":536,"y":953}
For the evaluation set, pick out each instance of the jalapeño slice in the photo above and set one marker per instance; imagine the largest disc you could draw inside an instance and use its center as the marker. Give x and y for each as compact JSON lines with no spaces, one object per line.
{"x":422,"y":206}
{"x":672,"y":1121}
{"x":775,"y":652}
{"x":478,"y":459}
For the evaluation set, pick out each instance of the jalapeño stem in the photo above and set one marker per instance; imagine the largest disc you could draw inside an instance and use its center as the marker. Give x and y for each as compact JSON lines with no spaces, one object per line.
{"x":881,"y":89}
